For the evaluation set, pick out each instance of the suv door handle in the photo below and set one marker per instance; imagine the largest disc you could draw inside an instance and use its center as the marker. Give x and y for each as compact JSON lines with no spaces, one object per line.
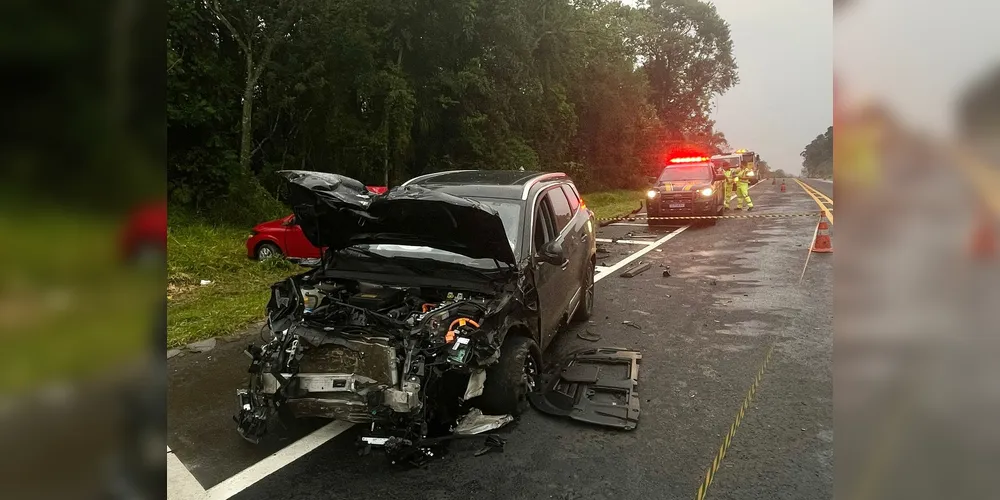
{"x":565,"y":265}
{"x":583,"y":237}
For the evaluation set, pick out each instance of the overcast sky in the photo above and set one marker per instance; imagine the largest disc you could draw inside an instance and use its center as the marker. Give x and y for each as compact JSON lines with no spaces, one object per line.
{"x":784,"y":50}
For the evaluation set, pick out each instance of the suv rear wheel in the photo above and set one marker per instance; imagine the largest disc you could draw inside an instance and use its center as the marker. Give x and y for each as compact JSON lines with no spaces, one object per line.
{"x":512,"y":377}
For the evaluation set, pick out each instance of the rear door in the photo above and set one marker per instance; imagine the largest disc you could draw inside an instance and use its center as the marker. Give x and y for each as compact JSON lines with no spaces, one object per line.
{"x":577,"y":231}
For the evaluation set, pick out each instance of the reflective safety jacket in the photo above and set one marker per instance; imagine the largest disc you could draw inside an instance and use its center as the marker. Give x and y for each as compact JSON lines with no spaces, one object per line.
{"x":731,"y":175}
{"x":742,"y":175}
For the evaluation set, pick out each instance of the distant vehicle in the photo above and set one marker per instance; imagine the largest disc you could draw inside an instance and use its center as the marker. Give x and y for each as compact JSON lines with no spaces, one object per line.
{"x":284,"y":238}
{"x":144,"y":237}
{"x":686,"y":187}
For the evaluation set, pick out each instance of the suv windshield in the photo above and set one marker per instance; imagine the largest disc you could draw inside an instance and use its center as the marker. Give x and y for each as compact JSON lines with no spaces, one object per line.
{"x":510,"y":214}
{"x":697,"y":171}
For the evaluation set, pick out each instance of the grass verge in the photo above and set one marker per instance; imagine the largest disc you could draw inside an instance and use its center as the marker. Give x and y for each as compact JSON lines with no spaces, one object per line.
{"x":240,"y":287}
{"x":607,"y":204}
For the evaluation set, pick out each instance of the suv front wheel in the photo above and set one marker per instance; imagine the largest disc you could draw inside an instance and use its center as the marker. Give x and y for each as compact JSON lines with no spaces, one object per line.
{"x":586,"y":307}
{"x":512,"y":377}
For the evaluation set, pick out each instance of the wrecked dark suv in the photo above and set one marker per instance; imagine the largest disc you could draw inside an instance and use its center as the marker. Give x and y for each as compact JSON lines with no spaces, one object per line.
{"x":429,"y":311}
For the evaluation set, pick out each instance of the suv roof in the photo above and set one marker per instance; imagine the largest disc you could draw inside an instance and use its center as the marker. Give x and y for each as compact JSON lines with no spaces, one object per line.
{"x":508,"y":184}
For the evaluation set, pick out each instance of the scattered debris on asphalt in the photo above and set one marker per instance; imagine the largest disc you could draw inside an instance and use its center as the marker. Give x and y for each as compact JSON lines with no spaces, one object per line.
{"x":633,"y":325}
{"x":636,"y":270}
{"x":493,"y":442}
{"x":593,"y":387}
{"x":589,"y":336}
{"x":666,"y":273}
{"x":713,"y":282}
{"x":477,"y":423}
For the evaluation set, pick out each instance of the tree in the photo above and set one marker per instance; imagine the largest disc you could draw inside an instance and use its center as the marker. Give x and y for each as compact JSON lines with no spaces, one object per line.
{"x":687,"y":55}
{"x":256,"y":26}
{"x":817,"y":157}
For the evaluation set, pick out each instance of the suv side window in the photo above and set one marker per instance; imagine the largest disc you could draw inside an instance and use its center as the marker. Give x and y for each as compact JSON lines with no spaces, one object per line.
{"x":572,"y":196}
{"x":543,"y":230}
{"x":560,"y":208}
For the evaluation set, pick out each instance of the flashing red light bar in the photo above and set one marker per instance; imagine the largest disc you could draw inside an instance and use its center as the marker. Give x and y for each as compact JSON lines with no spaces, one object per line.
{"x":691,"y":159}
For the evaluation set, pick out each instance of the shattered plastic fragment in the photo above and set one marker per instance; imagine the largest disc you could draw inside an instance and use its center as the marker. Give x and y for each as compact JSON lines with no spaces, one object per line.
{"x":477,"y":423}
{"x":477,"y":381}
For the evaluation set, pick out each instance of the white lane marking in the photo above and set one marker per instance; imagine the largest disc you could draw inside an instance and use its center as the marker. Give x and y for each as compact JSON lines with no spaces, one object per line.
{"x":809,"y":254}
{"x":626,"y":242}
{"x":181,"y":484}
{"x":627,"y":224}
{"x":628,"y":260}
{"x":276,"y":461}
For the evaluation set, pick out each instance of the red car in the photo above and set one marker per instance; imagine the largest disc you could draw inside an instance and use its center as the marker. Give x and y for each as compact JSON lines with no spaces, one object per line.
{"x":144,"y":235}
{"x":284,"y":238}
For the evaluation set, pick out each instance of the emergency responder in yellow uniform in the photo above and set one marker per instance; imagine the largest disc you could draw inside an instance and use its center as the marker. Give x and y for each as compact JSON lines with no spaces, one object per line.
{"x":730,"y":172}
{"x":743,"y":186}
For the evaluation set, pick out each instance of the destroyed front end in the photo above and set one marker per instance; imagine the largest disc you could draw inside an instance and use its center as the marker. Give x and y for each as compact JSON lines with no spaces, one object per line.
{"x":405,"y":360}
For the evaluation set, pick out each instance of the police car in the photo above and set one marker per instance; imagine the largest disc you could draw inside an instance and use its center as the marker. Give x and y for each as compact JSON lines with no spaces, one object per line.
{"x":686,"y":187}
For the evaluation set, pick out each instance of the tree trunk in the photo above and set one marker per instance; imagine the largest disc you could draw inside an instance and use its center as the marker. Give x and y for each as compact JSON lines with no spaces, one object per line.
{"x":246,"y":123}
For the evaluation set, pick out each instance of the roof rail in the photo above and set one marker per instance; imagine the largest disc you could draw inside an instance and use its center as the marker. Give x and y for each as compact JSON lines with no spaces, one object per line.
{"x":431,"y":175}
{"x":541,"y":178}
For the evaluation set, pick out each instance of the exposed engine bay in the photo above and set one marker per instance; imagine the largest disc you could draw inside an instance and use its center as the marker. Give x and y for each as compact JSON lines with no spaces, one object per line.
{"x":409,"y":362}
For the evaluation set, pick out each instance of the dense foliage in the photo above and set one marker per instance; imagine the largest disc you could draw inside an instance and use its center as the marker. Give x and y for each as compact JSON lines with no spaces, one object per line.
{"x":382,"y":90}
{"x":817,"y":157}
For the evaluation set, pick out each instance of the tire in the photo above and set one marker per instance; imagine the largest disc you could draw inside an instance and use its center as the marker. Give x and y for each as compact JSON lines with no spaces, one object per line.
{"x":507,"y":385}
{"x":266,"y":251}
{"x":586,"y":307}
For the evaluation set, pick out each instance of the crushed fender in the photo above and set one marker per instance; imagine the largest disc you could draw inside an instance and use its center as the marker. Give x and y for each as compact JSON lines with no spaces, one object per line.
{"x":597,"y":386}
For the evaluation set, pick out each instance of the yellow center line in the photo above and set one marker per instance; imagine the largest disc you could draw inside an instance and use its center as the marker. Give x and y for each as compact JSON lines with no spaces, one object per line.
{"x":812,"y":192}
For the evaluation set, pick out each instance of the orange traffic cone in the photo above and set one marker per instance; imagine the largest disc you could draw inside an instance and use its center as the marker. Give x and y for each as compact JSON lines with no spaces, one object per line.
{"x":782,"y":185}
{"x":984,"y":239}
{"x":822,"y":243}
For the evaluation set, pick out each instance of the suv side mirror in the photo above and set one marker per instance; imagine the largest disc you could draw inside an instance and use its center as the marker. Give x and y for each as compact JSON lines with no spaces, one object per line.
{"x":290,"y":221}
{"x":718,"y":177}
{"x":651,"y":179}
{"x":552,"y":253}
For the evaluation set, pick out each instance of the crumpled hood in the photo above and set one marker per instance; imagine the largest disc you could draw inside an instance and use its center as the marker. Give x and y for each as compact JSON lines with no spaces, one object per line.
{"x":337,"y":212}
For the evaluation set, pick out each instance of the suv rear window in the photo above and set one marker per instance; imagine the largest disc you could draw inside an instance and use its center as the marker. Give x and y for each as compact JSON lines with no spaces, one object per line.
{"x":695,"y":171}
